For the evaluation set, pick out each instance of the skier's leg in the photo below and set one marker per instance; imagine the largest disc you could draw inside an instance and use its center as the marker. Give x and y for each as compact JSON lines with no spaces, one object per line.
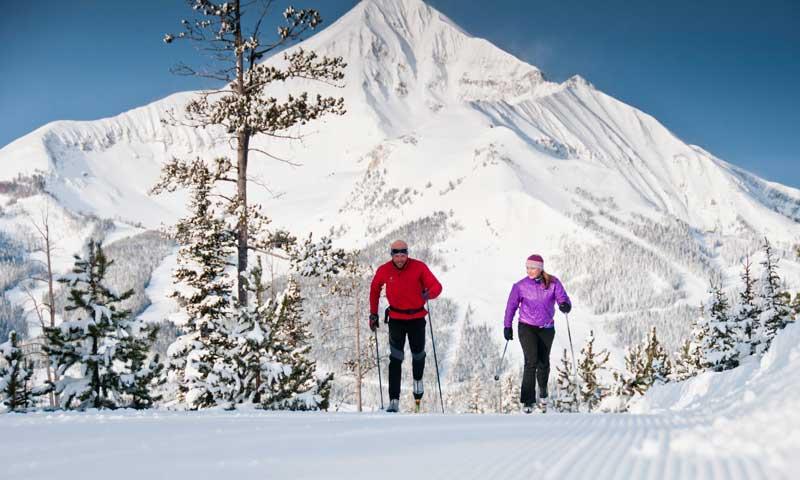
{"x":527,"y":338}
{"x":397,"y":344}
{"x":416,"y":340}
{"x":545,"y":337}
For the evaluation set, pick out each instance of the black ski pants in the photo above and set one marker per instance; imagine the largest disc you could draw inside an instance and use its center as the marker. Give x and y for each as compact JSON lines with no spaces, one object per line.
{"x":398,"y":330}
{"x":536,"y":343}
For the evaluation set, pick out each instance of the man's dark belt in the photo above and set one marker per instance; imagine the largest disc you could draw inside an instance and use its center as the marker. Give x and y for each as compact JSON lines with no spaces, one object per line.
{"x":410,"y":311}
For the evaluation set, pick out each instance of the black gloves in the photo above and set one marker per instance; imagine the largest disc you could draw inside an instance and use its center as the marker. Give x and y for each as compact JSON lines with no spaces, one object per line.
{"x":425,"y":294}
{"x":565,"y":307}
{"x":373,"y":321}
{"x":508,"y":332}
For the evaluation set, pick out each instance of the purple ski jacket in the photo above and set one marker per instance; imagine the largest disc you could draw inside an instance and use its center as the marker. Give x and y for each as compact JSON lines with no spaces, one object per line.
{"x":536,"y":305}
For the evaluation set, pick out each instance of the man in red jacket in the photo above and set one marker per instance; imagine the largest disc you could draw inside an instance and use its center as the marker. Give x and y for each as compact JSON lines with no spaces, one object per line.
{"x":409,"y":284}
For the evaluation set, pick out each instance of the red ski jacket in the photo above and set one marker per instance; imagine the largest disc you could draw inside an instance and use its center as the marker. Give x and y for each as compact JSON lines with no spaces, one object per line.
{"x":404,"y":288}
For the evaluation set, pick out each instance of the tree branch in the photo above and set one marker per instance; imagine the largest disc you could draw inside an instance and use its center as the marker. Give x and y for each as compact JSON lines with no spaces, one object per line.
{"x":251,"y":149}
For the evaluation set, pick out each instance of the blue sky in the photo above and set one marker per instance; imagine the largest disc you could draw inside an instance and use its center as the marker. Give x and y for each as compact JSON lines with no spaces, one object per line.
{"x":720,"y":74}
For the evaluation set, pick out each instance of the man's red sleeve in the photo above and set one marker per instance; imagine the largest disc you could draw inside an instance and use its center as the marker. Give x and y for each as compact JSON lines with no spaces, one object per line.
{"x":431,"y":283}
{"x":375,"y":291}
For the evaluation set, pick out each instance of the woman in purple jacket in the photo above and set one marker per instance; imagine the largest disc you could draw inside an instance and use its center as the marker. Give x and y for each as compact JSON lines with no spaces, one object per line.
{"x":535,"y":297}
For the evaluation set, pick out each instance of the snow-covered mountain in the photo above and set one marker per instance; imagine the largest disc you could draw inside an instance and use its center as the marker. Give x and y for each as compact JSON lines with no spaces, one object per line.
{"x":633,"y":219}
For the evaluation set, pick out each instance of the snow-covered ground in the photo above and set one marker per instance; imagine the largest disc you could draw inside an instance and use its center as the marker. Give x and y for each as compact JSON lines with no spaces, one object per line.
{"x":381,"y":446}
{"x":741,"y":424}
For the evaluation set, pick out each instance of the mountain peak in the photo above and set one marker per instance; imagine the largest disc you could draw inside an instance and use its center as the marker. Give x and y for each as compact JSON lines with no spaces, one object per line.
{"x":408,"y":52}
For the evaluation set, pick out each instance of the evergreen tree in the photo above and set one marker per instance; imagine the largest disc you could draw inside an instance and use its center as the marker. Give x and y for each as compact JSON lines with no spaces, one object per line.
{"x":232,"y":351}
{"x":746,"y":313}
{"x":230,"y":33}
{"x":719,"y":351}
{"x":145,"y":370}
{"x":15,"y":375}
{"x":636,"y":378}
{"x":476,"y":403}
{"x":509,"y":394}
{"x":774,"y":308}
{"x":257,"y":362}
{"x":645,"y":365}
{"x":657,"y":358}
{"x":795,"y":306}
{"x":295,"y":385}
{"x":99,"y":356}
{"x":198,"y":363}
{"x":592,"y":391}
{"x":567,"y":391}
{"x":686,"y":361}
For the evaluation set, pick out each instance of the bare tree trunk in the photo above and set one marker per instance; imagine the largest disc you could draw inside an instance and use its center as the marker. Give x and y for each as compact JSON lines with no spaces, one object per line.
{"x":242,"y":149}
{"x":359,"y":374}
{"x":51,"y":308}
{"x":241,"y":244}
{"x":44,"y":233}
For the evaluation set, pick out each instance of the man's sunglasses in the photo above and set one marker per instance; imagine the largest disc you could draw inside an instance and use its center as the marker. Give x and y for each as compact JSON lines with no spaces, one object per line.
{"x":399,"y":251}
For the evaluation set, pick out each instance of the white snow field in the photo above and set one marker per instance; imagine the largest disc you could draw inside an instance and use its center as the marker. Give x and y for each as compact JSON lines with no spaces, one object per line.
{"x":740,"y":424}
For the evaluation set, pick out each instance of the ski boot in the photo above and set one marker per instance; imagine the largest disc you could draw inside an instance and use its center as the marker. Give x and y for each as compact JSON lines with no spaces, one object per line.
{"x":418,"y":391}
{"x":394,"y":406}
{"x":527,"y":408}
{"x":542,"y":405}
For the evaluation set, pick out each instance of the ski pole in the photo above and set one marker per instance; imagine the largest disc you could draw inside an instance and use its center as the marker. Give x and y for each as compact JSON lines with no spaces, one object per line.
{"x":435,"y":358}
{"x":500,"y":366}
{"x":574,"y":362}
{"x":378,"y":363}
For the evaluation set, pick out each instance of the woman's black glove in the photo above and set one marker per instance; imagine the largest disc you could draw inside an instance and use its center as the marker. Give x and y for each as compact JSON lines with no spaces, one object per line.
{"x":508,"y":333}
{"x":565,"y":307}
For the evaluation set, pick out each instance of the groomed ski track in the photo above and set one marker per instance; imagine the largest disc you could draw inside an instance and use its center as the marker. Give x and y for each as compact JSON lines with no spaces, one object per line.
{"x":265,"y":445}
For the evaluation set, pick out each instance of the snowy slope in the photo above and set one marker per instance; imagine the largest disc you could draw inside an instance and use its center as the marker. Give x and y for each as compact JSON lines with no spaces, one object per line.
{"x":440,"y":121}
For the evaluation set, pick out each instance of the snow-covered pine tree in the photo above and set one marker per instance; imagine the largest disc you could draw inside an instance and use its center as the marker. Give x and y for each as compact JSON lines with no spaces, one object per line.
{"x":95,"y":344}
{"x":319,"y":258}
{"x":686,"y":361}
{"x":202,"y":361}
{"x":795,"y":307}
{"x":719,"y":351}
{"x":198,"y":365}
{"x":775,"y":311}
{"x":657,"y":358}
{"x":745,"y":312}
{"x":15,"y":375}
{"x":230,"y":34}
{"x":566,"y":390}
{"x":144,"y":370}
{"x":509,"y":394}
{"x":257,"y":364}
{"x":476,"y":401}
{"x":592,"y":390}
{"x":635,"y":379}
{"x":296,"y":386}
